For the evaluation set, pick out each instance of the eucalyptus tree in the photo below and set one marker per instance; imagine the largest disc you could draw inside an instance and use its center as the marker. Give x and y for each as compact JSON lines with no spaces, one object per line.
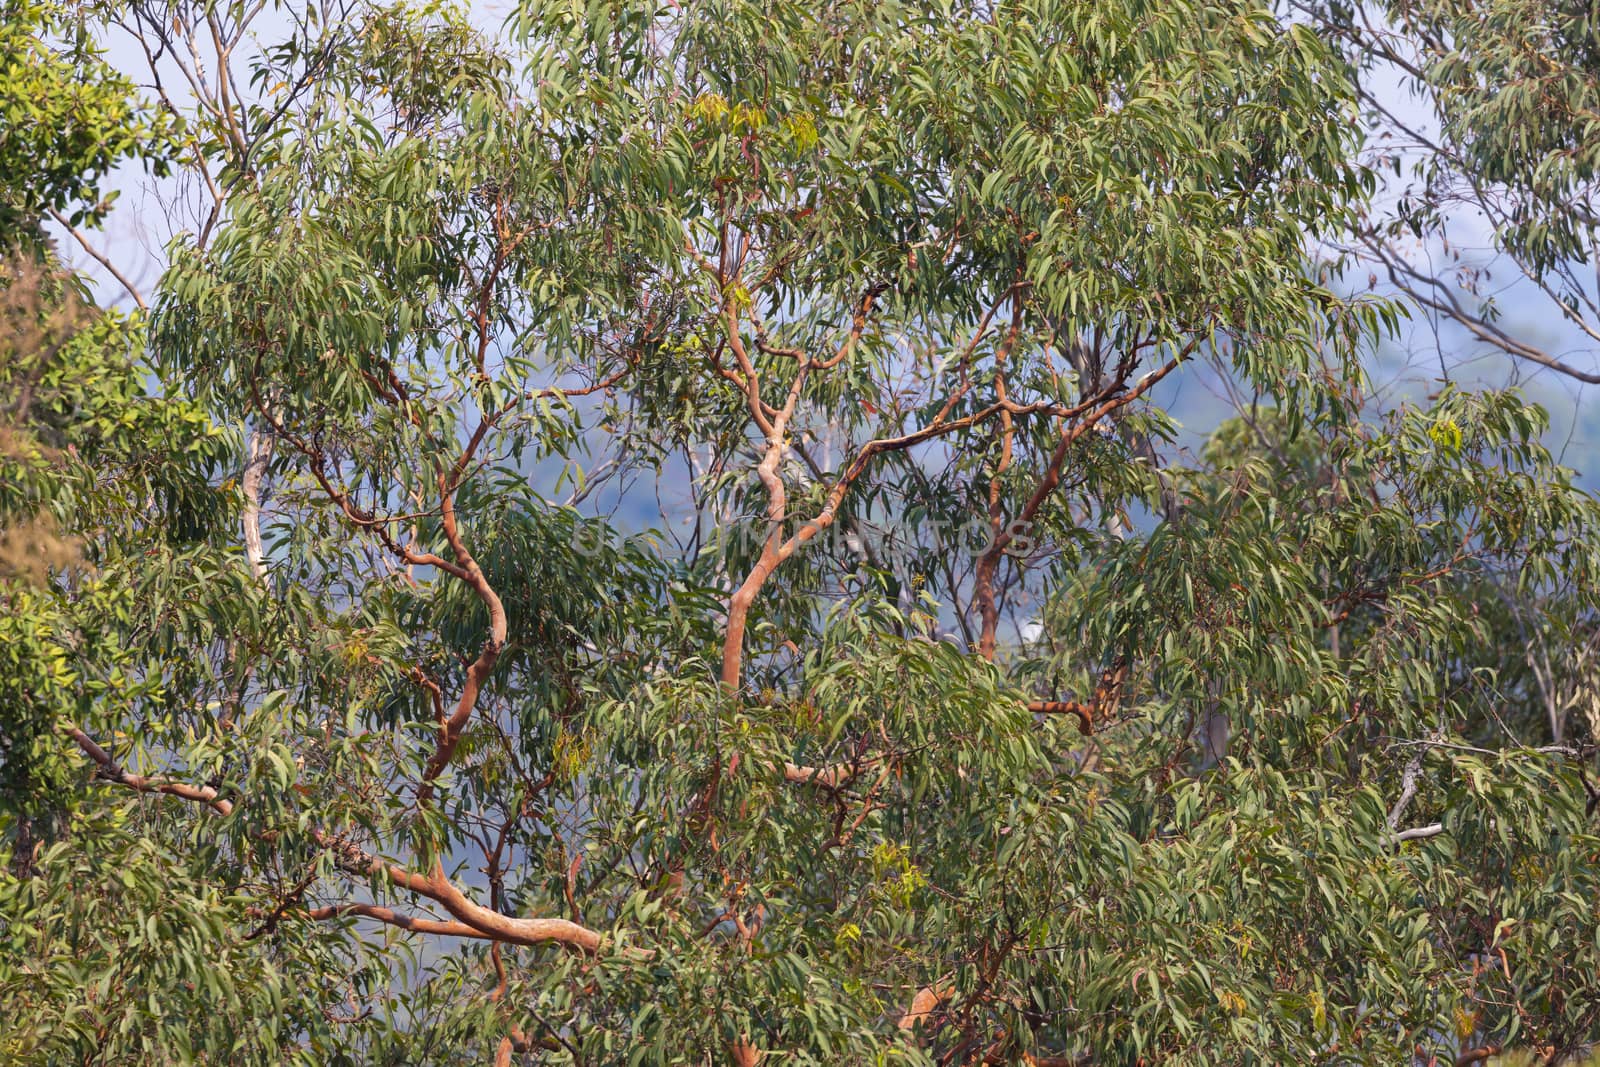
{"x":1487,"y":115}
{"x":370,"y":749}
{"x":1486,"y":225}
{"x":68,"y":119}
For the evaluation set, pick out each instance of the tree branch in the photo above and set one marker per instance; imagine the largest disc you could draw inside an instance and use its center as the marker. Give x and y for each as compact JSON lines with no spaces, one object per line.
{"x":108,"y":769}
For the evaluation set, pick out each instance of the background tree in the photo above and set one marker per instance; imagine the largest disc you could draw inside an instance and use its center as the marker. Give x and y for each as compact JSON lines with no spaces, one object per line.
{"x":1492,"y":140}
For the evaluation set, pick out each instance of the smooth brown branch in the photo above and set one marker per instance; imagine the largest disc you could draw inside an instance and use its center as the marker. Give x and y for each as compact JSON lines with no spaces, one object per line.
{"x":773,"y":422}
{"x":989,"y":563}
{"x":436,"y":886}
{"x":108,"y":769}
{"x":859,"y":318}
{"x":1083,"y":711}
{"x":775,"y":552}
{"x":353,"y":513}
{"x":558,"y":392}
{"x":1107,"y":695}
{"x":771,"y":556}
{"x":414,"y":924}
{"x":772,"y":553}
{"x":286,"y":903}
{"x":471,"y":919}
{"x":515,"y":1039}
{"x":858,"y":326}
{"x":761,"y":412}
{"x":478,"y":672}
{"x":465,"y":568}
{"x":504,"y":927}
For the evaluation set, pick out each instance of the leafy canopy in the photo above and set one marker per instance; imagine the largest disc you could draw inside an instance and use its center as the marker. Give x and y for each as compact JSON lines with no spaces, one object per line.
{"x":1233,"y":758}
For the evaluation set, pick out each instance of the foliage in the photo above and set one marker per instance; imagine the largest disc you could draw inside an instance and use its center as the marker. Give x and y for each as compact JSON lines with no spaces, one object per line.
{"x":66,"y":117}
{"x":1493,"y":132}
{"x":1237,"y":759}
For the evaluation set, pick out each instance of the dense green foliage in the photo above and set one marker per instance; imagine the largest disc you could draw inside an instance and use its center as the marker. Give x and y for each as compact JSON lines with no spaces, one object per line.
{"x":967,"y":719}
{"x":66,"y":117}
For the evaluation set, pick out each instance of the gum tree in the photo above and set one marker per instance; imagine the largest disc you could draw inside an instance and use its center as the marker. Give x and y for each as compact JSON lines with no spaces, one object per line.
{"x":1487,"y":115}
{"x":433,"y":761}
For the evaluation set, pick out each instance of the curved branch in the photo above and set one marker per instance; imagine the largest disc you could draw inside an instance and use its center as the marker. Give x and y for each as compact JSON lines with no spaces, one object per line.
{"x":473,"y":920}
{"x":835,"y":777}
{"x":393,"y":918}
{"x":774,"y":553}
{"x":436,"y":886}
{"x":1084,"y":712}
{"x":108,"y":769}
{"x":1447,"y":304}
{"x":100,"y":258}
{"x":469,"y":572}
{"x":503,"y":927}
{"x":984,"y":575}
{"x":1069,"y":437}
